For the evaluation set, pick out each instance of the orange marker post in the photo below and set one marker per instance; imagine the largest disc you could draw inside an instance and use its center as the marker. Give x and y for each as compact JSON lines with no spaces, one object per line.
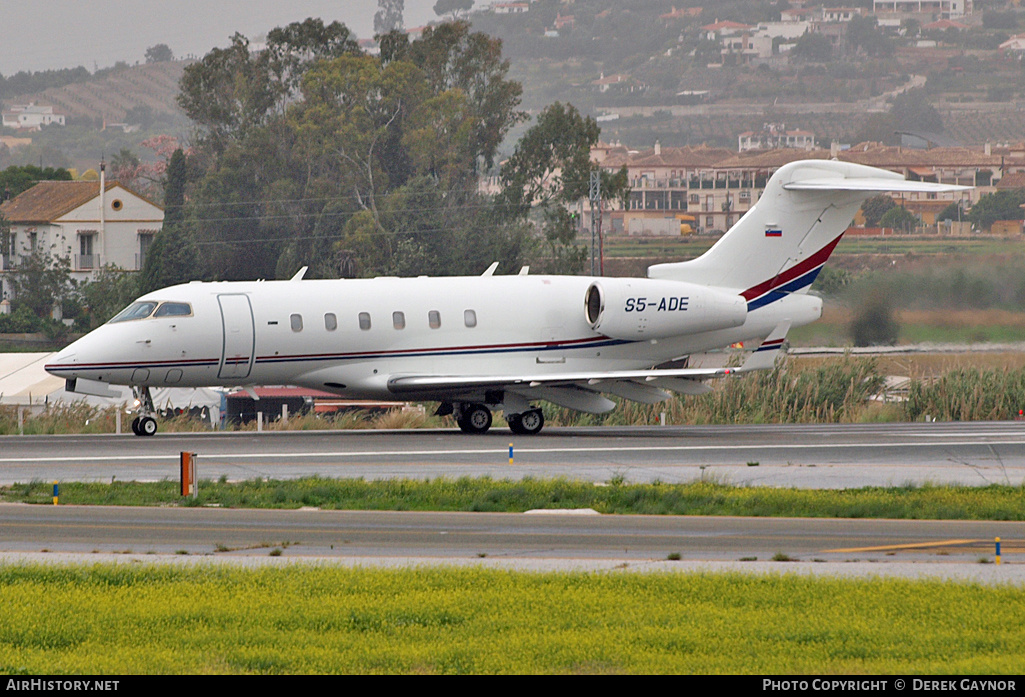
{"x":188,"y":473}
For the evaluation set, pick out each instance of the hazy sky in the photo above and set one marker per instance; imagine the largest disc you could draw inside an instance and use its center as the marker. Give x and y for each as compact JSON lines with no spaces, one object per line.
{"x":97,"y":33}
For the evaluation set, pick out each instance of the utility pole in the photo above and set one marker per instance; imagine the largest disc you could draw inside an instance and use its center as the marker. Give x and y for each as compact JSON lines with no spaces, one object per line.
{"x":597,"y":269}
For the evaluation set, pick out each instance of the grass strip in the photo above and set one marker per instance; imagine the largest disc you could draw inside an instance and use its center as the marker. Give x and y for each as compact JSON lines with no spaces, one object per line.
{"x":926,"y":502}
{"x":119,"y":619}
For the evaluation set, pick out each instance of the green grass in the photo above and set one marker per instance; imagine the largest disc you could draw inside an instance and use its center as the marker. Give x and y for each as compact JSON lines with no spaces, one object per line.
{"x":993,"y":502}
{"x":108,"y":619}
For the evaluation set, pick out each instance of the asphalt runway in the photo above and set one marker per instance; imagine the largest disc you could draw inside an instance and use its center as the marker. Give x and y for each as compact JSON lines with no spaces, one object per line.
{"x":316,"y":533}
{"x":800,"y":456}
{"x":806,"y":456}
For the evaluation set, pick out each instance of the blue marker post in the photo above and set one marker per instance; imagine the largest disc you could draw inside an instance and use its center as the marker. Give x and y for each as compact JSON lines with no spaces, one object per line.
{"x":510,"y":454}
{"x":55,"y":495}
{"x":998,"y":550}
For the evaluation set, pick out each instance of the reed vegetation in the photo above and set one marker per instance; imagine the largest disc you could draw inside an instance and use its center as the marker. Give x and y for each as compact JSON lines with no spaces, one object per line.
{"x":844,"y":389}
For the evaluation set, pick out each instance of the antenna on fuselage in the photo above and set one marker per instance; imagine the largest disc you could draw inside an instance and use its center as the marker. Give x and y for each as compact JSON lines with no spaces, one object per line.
{"x":299,"y":274}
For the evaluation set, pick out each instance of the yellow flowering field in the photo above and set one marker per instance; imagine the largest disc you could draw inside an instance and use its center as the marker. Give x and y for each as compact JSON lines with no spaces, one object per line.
{"x":128,"y":619}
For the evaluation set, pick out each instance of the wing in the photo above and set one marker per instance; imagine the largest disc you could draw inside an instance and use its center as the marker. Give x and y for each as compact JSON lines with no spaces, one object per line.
{"x":583,"y":390}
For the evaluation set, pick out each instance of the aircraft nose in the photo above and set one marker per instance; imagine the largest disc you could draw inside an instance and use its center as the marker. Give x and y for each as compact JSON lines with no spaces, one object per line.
{"x":67,"y":360}
{"x":62,"y":364}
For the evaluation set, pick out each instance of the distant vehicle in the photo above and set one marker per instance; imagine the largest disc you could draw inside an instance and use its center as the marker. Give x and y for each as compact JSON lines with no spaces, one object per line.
{"x":688,"y":223}
{"x":481,"y":343}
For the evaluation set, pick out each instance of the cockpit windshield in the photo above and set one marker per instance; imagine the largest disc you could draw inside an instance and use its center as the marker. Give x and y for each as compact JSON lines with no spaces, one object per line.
{"x":144,"y":309}
{"x":135,"y":311}
{"x":173,"y":310}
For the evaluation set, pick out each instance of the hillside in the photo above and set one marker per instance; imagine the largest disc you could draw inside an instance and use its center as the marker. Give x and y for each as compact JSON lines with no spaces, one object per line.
{"x":153,"y":86}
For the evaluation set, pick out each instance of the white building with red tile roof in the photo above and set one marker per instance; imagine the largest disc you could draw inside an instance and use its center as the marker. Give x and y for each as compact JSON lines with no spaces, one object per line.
{"x":79,"y":221}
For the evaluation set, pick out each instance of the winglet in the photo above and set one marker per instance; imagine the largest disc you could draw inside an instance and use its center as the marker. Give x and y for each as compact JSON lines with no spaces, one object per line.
{"x":490,"y":271}
{"x":764,"y":357}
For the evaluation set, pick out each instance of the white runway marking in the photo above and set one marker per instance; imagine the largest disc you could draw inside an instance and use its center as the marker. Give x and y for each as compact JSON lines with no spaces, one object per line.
{"x":504,"y":450}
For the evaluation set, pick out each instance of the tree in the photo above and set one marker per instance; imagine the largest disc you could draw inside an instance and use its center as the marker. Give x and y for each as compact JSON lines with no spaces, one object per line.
{"x":454,"y":58}
{"x":952,"y":212}
{"x":865,"y":36}
{"x":171,"y":258}
{"x":232,"y":91}
{"x":41,"y":281}
{"x":453,"y":8}
{"x":550,"y":168}
{"x":6,"y":240}
{"x":108,"y":293}
{"x":124,"y":166}
{"x":161,"y":53}
{"x":813,"y":48}
{"x":992,"y":19}
{"x":1000,"y":205}
{"x":356,"y":163}
{"x":875,"y":208}
{"x":874,"y":323}
{"x":912,"y":111}
{"x":228,"y":93}
{"x":879,"y":128}
{"x":19,"y":178}
{"x":294,"y":49}
{"x":899,"y":218}
{"x":389,"y":16}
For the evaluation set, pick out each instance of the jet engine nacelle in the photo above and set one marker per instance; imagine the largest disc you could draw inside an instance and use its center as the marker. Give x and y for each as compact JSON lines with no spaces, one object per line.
{"x":640,"y":308}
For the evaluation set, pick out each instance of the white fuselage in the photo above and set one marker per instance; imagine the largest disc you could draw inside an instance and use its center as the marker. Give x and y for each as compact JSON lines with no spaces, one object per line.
{"x":309,"y":332}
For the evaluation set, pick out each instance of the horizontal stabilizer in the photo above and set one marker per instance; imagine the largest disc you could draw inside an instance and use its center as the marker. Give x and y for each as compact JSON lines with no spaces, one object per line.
{"x":764,"y":357}
{"x":870,"y":184}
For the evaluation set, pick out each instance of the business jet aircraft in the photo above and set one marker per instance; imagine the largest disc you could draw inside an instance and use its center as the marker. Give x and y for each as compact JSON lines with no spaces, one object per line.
{"x":488,"y":342}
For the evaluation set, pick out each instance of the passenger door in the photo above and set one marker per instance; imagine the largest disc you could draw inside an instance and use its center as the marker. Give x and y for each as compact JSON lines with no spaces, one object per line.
{"x":239,"y":337}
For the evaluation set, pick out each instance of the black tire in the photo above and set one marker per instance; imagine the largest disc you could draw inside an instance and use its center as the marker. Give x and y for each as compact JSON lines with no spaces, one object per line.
{"x":531,"y":422}
{"x":147,"y":426}
{"x":514,"y":423}
{"x":135,"y":426}
{"x":475,"y":418}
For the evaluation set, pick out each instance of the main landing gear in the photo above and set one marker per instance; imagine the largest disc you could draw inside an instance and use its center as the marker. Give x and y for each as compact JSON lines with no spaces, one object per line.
{"x":476,"y":418}
{"x":144,"y":424}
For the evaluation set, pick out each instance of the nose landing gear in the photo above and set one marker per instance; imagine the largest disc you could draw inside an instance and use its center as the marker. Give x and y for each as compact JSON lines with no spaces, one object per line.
{"x":144,"y":424}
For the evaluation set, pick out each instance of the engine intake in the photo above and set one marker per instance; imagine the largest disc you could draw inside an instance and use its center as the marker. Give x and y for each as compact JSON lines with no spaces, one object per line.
{"x":642,"y":308}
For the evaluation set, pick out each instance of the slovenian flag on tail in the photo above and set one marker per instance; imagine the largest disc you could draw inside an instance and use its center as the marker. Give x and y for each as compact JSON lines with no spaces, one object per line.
{"x":773,"y":232}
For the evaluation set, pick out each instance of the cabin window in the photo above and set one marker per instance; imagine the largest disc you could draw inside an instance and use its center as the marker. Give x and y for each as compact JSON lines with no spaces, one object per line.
{"x":296,"y":322}
{"x":173,"y":310}
{"x":398,"y":320}
{"x":470,"y":318}
{"x":434,"y":319}
{"x":135,"y":311}
{"x":330,"y":322}
{"x":364,"y":321}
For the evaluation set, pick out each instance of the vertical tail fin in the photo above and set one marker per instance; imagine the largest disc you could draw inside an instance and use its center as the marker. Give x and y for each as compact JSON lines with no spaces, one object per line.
{"x":781,"y":243}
